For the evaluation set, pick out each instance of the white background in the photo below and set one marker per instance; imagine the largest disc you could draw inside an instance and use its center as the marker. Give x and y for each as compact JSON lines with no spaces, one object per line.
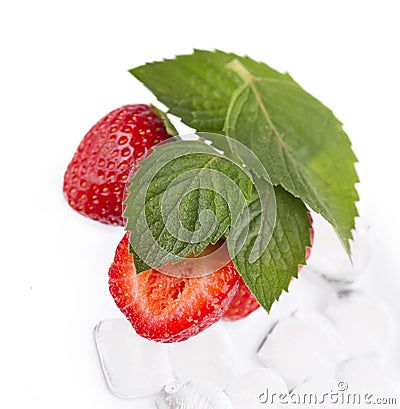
{"x":64,"y":65}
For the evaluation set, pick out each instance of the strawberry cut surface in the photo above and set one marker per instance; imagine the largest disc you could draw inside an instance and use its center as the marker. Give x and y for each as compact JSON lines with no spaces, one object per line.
{"x":165,"y":308}
{"x":95,"y":179}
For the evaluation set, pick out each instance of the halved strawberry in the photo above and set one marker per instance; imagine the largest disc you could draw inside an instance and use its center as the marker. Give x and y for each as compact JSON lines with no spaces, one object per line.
{"x":166,"y":308}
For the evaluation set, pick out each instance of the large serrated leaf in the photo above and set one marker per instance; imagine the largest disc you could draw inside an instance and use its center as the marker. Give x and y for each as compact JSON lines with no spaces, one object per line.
{"x":301,"y":144}
{"x":198,"y":87}
{"x":299,"y":140}
{"x":271,"y":273}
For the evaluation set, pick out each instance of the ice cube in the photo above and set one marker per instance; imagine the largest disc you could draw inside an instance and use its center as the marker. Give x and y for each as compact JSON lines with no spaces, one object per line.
{"x":363,"y":322}
{"x":303,"y":345}
{"x":257,"y":388}
{"x":132,"y":366}
{"x":328,"y":256}
{"x":308,"y":292}
{"x":207,"y":356}
{"x":315,"y":392}
{"x":245,"y":347}
{"x":364,"y":375}
{"x":193,"y":394}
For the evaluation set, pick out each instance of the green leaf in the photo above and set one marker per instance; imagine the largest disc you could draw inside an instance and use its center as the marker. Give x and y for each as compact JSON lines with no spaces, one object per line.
{"x":198,"y":87}
{"x":271,"y":273}
{"x":299,"y":141}
{"x":171,"y":130}
{"x":140,"y":265}
{"x":301,"y":144}
{"x":183,"y":197}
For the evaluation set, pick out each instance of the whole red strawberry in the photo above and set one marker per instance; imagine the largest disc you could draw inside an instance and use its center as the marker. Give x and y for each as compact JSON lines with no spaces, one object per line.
{"x":167,"y":308}
{"x":95,"y":180}
{"x":243,"y":303}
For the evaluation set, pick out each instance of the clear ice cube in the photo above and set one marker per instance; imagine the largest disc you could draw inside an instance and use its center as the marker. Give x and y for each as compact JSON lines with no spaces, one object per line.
{"x":193,"y":394}
{"x":303,"y":345}
{"x":207,"y":356}
{"x":365,"y":375}
{"x":328,"y":257}
{"x":315,"y":393}
{"x":309,"y":292}
{"x":257,"y":388}
{"x":132,"y":366}
{"x":363,"y":322}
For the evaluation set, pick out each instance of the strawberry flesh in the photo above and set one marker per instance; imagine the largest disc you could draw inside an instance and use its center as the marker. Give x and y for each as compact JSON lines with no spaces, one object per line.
{"x":165,"y":308}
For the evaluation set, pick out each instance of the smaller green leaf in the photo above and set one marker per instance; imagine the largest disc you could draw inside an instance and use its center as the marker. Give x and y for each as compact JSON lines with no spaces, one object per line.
{"x":140,"y":265}
{"x":271,"y":273}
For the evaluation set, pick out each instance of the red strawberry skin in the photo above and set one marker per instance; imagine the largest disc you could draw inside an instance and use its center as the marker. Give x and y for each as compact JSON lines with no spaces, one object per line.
{"x":242,"y":305}
{"x":308,"y":248}
{"x":165,"y":308}
{"x":95,"y":179}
